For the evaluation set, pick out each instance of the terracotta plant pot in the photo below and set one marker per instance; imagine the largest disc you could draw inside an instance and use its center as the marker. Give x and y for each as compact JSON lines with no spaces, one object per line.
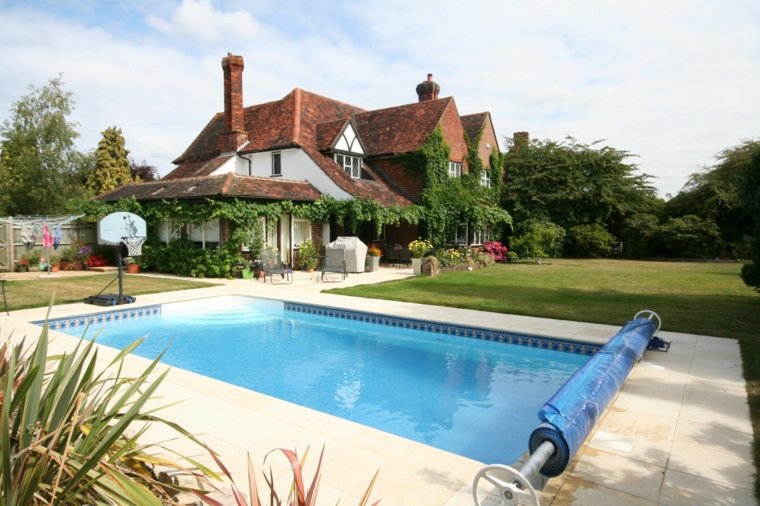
{"x":133,"y":268}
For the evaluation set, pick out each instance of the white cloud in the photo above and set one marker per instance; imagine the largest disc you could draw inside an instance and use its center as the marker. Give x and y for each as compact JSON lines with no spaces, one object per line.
{"x":673,"y":82}
{"x":198,"y":20}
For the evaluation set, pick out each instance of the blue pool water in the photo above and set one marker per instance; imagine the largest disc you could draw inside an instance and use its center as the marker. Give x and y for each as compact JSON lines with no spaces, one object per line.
{"x":472,"y":397}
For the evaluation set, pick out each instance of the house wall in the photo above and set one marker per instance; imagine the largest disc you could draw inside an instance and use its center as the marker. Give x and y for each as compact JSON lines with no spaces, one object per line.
{"x":411,"y":182}
{"x":488,"y":143}
{"x":294,"y":164}
{"x":453,"y":134}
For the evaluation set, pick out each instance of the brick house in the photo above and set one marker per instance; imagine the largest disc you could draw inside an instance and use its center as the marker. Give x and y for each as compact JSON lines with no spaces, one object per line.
{"x":305,"y":145}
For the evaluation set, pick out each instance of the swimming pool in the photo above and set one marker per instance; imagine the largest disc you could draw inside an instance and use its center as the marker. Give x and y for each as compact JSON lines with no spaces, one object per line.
{"x":473,"y":397}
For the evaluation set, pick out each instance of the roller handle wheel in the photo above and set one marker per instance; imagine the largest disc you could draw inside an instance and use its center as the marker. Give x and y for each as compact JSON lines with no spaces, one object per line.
{"x":511,"y":486}
{"x":650,"y":315}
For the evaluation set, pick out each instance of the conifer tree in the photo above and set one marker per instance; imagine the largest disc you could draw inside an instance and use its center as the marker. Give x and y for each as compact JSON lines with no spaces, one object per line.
{"x":111,"y":163}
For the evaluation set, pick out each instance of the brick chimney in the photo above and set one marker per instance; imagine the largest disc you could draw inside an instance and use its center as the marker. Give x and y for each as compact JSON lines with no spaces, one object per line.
{"x":428,"y":90}
{"x":234,"y":134}
{"x":520,"y":139}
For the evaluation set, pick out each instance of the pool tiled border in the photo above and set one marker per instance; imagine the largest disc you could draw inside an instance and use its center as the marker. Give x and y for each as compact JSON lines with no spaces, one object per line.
{"x":86,"y":319}
{"x":547,"y":343}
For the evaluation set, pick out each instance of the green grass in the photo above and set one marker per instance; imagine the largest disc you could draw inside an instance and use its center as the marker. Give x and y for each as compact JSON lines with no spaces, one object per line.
{"x":692,"y":297}
{"x":23,"y":294}
{"x":697,"y":298}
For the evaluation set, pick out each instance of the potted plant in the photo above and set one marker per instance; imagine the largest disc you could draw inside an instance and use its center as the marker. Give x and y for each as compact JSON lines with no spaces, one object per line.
{"x":23,"y":263}
{"x":67,"y":257}
{"x":55,"y":263}
{"x":308,"y":255}
{"x":132,"y":266}
{"x":418,"y":249}
{"x":373,"y":258}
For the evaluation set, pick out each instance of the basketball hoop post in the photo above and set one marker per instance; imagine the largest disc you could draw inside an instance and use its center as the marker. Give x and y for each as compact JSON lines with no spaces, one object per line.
{"x":120,"y":229}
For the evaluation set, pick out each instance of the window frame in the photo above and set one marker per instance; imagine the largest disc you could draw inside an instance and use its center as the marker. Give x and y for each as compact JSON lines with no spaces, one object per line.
{"x":276,"y":164}
{"x":455,"y":169}
{"x":485,"y":178}
{"x":351,"y":164}
{"x":301,"y":222}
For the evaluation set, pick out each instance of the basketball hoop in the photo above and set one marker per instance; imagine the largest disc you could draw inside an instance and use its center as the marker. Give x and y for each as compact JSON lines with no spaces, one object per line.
{"x":134,"y":245}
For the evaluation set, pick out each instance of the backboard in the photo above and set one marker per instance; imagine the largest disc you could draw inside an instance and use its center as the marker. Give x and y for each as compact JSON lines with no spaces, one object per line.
{"x":117,"y":225}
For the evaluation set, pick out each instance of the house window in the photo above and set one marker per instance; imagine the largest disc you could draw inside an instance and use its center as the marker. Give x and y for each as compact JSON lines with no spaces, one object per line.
{"x":351,"y":164}
{"x":277,"y":163}
{"x":461,"y":234}
{"x":301,"y":231}
{"x":206,"y":235}
{"x":481,"y":235}
{"x":455,"y":169}
{"x":485,"y":179}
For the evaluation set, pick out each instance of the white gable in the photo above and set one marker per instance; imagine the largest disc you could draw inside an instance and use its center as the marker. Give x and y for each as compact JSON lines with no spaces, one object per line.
{"x":348,"y":141}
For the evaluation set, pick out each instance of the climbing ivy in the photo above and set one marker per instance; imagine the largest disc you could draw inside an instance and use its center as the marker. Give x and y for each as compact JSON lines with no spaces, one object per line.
{"x":245,"y":215}
{"x":448,"y":202}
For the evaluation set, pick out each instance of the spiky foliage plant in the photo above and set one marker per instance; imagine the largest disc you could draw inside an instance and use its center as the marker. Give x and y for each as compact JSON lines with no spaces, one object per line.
{"x":65,"y":431}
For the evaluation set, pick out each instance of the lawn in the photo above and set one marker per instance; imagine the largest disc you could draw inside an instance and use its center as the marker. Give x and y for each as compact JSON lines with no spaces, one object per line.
{"x":697,"y":298}
{"x":24,"y":294}
{"x":706,"y":298}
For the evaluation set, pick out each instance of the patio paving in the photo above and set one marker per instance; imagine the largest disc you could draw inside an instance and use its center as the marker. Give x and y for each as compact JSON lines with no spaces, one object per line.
{"x":677,"y":433}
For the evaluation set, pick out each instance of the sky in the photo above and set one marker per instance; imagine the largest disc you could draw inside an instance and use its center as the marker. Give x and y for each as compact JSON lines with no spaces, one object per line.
{"x":673,"y":82}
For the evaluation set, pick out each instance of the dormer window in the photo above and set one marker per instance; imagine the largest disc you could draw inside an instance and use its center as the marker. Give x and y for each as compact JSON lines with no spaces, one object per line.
{"x":351,"y":164}
{"x":485,"y":179}
{"x":455,"y":169}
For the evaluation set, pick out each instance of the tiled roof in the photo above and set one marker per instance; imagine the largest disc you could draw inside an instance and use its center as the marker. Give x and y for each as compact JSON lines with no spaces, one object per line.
{"x":472,"y":123}
{"x":374,"y":188}
{"x":399,"y":129}
{"x":197,"y":168}
{"x":291,"y":121}
{"x":223,"y":186}
{"x":327,"y":133}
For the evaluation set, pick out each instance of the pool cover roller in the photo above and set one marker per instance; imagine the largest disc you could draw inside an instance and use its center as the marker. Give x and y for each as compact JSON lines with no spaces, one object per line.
{"x":570,"y":414}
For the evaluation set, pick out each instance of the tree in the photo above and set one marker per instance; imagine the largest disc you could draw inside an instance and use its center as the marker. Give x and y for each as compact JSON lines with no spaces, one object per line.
{"x":715,"y":194}
{"x":111,"y":163}
{"x":750,"y":197}
{"x":142,"y":171}
{"x":39,"y":165}
{"x":571,"y":183}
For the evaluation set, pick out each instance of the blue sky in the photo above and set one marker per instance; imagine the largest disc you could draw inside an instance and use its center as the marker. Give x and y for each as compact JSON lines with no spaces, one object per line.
{"x":673,"y":82}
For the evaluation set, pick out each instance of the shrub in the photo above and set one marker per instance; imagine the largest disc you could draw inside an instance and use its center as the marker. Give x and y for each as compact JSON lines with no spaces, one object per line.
{"x":420,"y":247}
{"x":308,"y":255}
{"x":591,"y":241}
{"x":184,"y":258}
{"x":486,"y":259}
{"x":691,"y":237}
{"x":449,"y":257}
{"x":497,"y":250}
{"x":539,"y":239}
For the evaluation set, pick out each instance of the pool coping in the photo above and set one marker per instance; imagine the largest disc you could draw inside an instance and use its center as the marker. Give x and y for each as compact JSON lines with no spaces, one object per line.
{"x":467,"y":331}
{"x":643,"y":450}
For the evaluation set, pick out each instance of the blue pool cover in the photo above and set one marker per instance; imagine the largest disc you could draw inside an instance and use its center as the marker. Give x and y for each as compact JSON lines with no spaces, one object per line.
{"x":570,"y":414}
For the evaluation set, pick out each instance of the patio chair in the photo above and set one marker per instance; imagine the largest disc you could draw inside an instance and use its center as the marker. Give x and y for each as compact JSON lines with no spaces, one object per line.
{"x":334,"y":262}
{"x":403,"y":257}
{"x":272,"y":266}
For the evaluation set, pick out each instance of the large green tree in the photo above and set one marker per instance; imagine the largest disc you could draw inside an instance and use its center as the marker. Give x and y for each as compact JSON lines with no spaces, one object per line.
{"x":715,"y":194}
{"x":750,"y":198}
{"x":571,"y":183}
{"x":39,"y":164}
{"x":112,"y":167}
